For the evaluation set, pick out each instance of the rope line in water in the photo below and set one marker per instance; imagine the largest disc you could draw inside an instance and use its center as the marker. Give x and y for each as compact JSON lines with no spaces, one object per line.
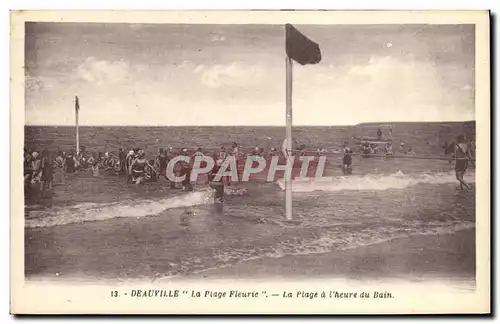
{"x":394,"y":156}
{"x":383,"y":156}
{"x":372,"y":156}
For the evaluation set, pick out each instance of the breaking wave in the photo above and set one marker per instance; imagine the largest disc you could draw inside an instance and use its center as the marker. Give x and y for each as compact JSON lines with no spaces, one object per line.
{"x":398,"y":180}
{"x":86,"y":212}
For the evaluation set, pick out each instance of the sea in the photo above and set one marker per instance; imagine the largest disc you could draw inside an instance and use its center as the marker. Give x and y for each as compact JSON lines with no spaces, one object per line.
{"x":101,"y":228}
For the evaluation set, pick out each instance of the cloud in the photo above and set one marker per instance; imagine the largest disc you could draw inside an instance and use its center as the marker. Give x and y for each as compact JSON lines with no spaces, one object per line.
{"x":218,"y":38}
{"x":135,"y":26}
{"x":232,"y":75}
{"x":103,"y":72}
{"x":34,"y":83}
{"x":385,"y":88}
{"x":199,"y":68}
{"x":184,"y":63}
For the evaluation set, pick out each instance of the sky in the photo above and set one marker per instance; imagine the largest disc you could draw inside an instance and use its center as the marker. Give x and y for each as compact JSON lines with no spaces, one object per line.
{"x":183,"y":74}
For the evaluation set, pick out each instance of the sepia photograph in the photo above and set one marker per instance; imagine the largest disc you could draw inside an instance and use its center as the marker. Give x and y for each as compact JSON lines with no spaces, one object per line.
{"x":170,"y":153}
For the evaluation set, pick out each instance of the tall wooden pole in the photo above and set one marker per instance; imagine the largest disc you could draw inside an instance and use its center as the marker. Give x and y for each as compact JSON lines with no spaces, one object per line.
{"x":77,"y":108}
{"x":288,"y":174}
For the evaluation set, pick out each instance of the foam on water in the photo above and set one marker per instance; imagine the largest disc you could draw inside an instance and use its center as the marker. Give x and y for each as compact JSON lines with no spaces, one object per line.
{"x":329,"y":241}
{"x":86,"y":212}
{"x":398,"y":180}
{"x":337,"y":241}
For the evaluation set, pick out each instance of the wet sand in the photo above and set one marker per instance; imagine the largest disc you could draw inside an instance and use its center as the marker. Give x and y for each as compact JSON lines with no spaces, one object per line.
{"x":415,"y":258}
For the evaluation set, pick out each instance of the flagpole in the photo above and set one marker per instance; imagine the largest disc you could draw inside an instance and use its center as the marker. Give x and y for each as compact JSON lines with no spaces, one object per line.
{"x":288,"y":175}
{"x":76,"y":123}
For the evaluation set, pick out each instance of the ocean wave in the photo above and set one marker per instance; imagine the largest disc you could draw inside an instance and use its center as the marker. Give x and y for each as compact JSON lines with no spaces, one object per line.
{"x":86,"y":212}
{"x":337,"y":241}
{"x":329,"y":241}
{"x":398,"y":180}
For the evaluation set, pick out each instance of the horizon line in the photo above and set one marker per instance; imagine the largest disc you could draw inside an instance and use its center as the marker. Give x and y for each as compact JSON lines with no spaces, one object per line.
{"x":250,"y":125}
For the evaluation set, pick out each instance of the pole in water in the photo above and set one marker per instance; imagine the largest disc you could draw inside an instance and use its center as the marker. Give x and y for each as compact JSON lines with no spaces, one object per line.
{"x":117,"y":192}
{"x":77,"y":108}
{"x":288,"y":175}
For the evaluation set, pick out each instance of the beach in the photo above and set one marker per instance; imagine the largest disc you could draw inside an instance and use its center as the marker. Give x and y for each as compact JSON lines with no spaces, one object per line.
{"x":336,"y":166}
{"x":393,"y":218}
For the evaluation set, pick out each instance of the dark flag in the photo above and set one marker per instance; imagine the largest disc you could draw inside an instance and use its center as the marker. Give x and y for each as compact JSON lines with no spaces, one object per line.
{"x":77,"y":103}
{"x":300,"y":48}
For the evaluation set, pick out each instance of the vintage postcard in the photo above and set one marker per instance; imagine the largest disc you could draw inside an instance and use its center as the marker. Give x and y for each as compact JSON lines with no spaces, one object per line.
{"x":250,"y":162}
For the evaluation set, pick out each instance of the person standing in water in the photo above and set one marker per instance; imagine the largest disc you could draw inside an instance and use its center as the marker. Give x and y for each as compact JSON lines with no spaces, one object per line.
{"x":139,"y":168}
{"x":388,"y":149}
{"x":222,"y":154}
{"x":449,"y":149}
{"x":95,"y":169}
{"x":36,"y":168}
{"x":347,"y":159}
{"x":321,"y":151}
{"x":199,"y":152}
{"x":410,"y":151}
{"x":47,"y":171}
{"x":151,"y":171}
{"x":129,"y":160}
{"x":161,"y":163}
{"x":121,"y":157}
{"x":236,"y":151}
{"x":70,"y":163}
{"x":472,"y":150}
{"x":187,"y":167}
{"x":216,"y":184}
{"x":462,"y":156}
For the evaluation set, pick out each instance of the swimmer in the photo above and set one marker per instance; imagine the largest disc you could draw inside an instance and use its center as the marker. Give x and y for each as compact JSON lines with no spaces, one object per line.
{"x":129,"y":160}
{"x":321,"y":151}
{"x":222,"y":153}
{"x":169,"y":154}
{"x":273,"y":152}
{"x":46,"y":178}
{"x":161,"y":162}
{"x":347,"y":160}
{"x":198,"y":152}
{"x":410,"y":152}
{"x":186,"y":171}
{"x":236,"y":151}
{"x":462,"y":157}
{"x":217,"y":184}
{"x":302,"y":149}
{"x":373,"y":148}
{"x":95,"y":169}
{"x":36,"y":168}
{"x":388,"y":149}
{"x":151,"y":172}
{"x":138,"y":167}
{"x":70,"y":163}
{"x":365,"y":148}
{"x":121,"y":157}
{"x":91,"y":160}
